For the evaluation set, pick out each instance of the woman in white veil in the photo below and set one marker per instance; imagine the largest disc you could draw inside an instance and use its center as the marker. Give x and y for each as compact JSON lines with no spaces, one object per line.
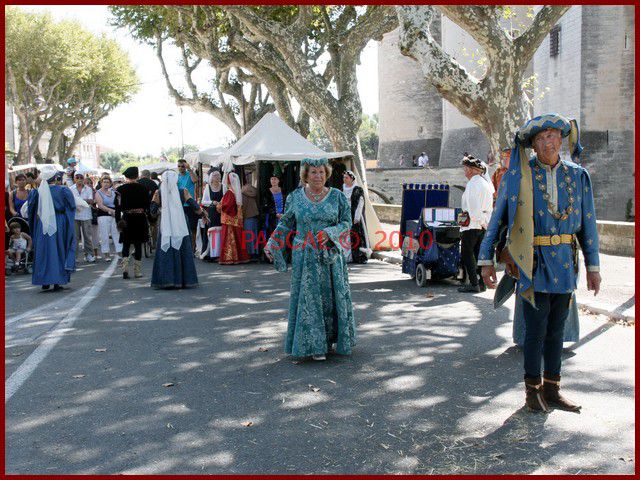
{"x":173,"y":264}
{"x":51,"y":211}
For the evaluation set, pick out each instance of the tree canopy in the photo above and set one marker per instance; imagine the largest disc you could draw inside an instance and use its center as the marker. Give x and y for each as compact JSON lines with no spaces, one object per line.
{"x":266,"y":57}
{"x":496,"y":100}
{"x":61,"y":79}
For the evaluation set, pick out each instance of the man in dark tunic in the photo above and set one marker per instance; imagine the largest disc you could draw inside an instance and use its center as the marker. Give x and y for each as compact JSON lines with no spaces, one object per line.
{"x":151,"y":186}
{"x":132,"y":205}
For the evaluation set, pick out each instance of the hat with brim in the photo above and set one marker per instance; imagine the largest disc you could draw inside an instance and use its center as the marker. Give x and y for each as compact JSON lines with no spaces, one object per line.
{"x":539,"y":124}
{"x":131,"y":173}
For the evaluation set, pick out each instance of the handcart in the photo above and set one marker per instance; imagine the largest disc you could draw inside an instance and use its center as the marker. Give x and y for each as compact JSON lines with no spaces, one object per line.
{"x":429,"y":234}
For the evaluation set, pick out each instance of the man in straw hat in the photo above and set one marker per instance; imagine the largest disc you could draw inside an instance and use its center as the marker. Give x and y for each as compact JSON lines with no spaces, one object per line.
{"x":547,"y":205}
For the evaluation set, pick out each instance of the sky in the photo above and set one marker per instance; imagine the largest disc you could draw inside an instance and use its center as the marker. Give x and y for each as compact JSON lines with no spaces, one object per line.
{"x":143,"y":126}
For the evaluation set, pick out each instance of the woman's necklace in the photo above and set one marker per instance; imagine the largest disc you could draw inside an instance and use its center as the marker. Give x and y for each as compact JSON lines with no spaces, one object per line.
{"x":316,"y":196}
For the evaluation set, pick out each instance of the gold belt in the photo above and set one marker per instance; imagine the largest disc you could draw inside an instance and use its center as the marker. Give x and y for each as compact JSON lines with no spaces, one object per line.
{"x":548,"y":240}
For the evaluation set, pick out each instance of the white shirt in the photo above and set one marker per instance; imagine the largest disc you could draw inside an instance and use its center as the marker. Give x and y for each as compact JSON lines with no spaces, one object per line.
{"x":83,"y":213}
{"x":477,"y":199}
{"x":423,"y":160}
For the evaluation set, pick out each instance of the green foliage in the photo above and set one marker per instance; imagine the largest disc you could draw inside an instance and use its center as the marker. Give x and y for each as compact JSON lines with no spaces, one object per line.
{"x":81,"y":76}
{"x":368,"y":134}
{"x":369,"y":138}
{"x":111,"y":160}
{"x":173,"y":154}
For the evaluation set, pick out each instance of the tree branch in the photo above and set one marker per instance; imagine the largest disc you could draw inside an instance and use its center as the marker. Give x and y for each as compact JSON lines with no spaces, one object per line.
{"x":448,"y":76}
{"x":529,"y":41}
{"x":481,"y":22}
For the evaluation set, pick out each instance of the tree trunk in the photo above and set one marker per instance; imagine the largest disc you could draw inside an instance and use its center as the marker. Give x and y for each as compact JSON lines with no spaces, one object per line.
{"x":52,"y":148}
{"x":22,"y":156}
{"x":496,"y":104}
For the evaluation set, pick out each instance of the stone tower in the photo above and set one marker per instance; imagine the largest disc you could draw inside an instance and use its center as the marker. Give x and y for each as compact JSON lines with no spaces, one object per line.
{"x":410,"y":110}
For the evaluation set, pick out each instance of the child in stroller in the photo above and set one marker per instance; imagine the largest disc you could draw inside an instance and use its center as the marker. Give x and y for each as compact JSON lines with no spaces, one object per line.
{"x":19,"y":254}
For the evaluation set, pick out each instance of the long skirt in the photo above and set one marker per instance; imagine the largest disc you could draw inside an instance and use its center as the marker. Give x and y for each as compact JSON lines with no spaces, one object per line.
{"x":174,"y":268}
{"x":320,"y":308}
{"x":233,"y":246}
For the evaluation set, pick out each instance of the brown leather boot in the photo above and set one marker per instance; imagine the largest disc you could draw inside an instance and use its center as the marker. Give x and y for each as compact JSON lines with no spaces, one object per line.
{"x":535,"y":401}
{"x":125,"y":268}
{"x":551,"y":394}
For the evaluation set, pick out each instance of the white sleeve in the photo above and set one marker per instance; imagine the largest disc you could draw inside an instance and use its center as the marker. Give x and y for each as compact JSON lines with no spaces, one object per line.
{"x":359,"y":209}
{"x":475,"y":202}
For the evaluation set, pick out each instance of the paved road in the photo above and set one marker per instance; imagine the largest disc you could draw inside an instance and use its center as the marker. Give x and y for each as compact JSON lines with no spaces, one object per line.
{"x":434,"y":385}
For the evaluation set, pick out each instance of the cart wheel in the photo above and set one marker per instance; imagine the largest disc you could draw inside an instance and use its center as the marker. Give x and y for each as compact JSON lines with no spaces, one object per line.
{"x":421,"y":275}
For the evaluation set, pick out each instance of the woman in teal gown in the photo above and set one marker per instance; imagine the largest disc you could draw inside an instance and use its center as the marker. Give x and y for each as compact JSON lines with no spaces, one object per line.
{"x":320,"y":309}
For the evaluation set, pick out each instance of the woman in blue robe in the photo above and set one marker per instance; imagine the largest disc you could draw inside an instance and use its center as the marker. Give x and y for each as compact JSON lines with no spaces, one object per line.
{"x":173,"y":264}
{"x":320,"y":309}
{"x":52,"y":211}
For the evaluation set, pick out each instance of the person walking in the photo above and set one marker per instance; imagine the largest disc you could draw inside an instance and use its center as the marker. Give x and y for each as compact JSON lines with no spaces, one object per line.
{"x":320,"y":308}
{"x":477,"y":204}
{"x":131,"y":214}
{"x":548,"y":208}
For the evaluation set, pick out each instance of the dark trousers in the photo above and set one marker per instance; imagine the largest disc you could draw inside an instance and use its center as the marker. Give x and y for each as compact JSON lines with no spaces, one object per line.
{"x":137,"y":253}
{"x":544,"y":333}
{"x":469,"y":250}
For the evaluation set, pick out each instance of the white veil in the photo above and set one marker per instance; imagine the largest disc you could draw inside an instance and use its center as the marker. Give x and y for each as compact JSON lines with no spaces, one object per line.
{"x":173,"y":225}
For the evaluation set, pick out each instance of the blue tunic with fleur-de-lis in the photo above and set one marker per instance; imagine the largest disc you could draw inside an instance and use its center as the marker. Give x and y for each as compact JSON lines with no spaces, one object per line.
{"x":562,"y":204}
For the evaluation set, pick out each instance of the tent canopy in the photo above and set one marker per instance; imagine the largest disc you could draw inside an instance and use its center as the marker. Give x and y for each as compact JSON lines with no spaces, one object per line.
{"x":273,"y":140}
{"x":40,"y":166}
{"x":208,"y":156}
{"x":158,"y":167}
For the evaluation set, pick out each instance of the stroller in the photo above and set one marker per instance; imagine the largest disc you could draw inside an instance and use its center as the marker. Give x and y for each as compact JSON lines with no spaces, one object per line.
{"x":26,"y":262}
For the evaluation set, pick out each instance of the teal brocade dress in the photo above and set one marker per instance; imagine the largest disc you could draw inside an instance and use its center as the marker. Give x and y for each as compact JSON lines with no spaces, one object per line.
{"x":320,"y":308}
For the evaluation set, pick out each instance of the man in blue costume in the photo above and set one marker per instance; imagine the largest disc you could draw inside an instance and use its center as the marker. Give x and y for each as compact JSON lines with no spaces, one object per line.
{"x":52,"y":210}
{"x":547,"y":205}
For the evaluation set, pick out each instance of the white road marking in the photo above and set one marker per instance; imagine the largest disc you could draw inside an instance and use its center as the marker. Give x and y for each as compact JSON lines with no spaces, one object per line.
{"x":24,"y":371}
{"x":42,"y":308}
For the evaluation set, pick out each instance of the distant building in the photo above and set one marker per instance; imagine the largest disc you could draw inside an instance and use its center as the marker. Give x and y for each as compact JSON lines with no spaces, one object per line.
{"x":589,"y":68}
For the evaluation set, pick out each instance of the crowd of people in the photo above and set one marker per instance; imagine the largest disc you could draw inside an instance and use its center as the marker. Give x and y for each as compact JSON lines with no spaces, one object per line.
{"x":532,"y":216}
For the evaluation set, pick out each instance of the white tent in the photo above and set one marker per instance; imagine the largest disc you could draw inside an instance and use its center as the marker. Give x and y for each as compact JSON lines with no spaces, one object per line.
{"x":208,"y":156}
{"x":158,"y":167}
{"x":272,"y":140}
{"x":40,"y":166}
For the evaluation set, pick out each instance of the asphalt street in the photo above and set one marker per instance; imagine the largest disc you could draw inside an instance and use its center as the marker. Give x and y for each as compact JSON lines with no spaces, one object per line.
{"x":196,"y":381}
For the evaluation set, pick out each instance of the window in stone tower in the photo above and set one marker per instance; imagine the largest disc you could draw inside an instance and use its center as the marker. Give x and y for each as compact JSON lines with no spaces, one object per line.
{"x":554,"y":41}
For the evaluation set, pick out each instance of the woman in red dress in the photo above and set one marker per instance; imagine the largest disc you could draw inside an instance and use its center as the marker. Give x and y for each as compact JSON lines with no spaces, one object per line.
{"x":233,"y":245}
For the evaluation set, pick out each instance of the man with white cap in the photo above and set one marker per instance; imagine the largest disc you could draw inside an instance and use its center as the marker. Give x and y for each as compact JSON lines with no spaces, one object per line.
{"x":52,"y":210}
